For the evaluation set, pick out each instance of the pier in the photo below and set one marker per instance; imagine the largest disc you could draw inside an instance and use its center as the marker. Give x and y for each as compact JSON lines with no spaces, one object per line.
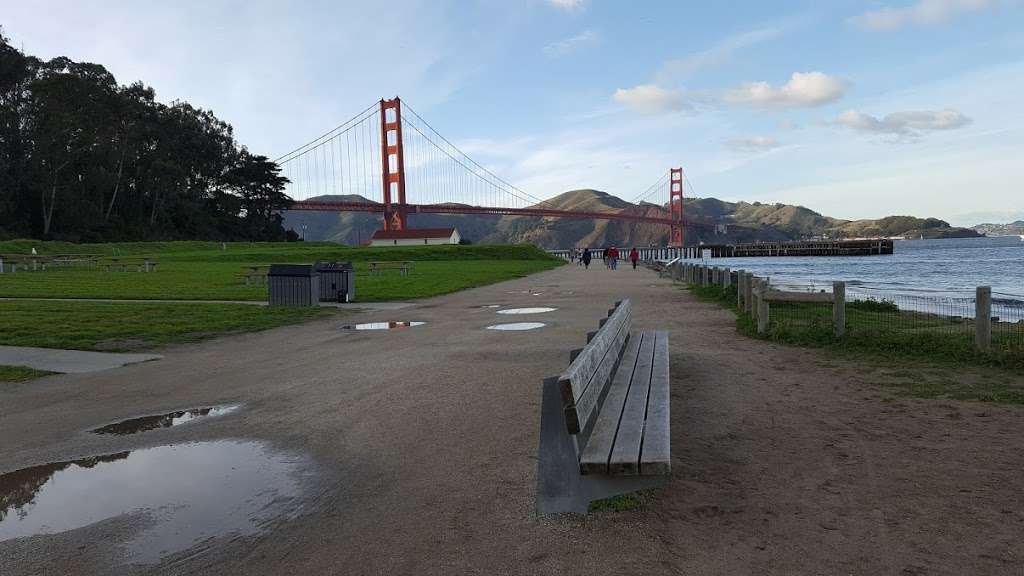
{"x":802,"y":248}
{"x":758,"y":249}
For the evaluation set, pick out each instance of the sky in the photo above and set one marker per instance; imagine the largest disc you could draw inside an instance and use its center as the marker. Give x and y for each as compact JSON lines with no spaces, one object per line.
{"x":853,"y":108}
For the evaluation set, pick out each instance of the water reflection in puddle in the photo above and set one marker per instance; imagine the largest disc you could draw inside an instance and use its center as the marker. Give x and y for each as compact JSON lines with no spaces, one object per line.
{"x":517,"y":326}
{"x":382,"y":325}
{"x":192,"y":492}
{"x":145,"y":423}
{"x":538,"y":310}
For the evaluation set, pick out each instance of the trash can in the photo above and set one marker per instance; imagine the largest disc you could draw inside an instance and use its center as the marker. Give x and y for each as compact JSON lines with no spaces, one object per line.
{"x":293,"y":285}
{"x":337,"y":281}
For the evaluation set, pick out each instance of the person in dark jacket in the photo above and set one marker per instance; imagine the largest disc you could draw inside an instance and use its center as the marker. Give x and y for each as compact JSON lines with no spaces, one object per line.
{"x":633,"y":257}
{"x":585,"y":258}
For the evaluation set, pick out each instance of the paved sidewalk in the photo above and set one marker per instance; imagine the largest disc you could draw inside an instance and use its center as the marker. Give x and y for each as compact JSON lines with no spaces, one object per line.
{"x":68,"y":361}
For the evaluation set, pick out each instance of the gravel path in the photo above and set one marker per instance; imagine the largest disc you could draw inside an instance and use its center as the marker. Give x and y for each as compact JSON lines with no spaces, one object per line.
{"x":423,"y":443}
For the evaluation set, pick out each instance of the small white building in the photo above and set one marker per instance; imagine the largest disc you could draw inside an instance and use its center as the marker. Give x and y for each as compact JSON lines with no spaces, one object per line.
{"x":415,"y":237}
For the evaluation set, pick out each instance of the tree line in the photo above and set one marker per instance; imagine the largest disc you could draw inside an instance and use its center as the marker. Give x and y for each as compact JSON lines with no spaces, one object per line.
{"x":83,"y":158}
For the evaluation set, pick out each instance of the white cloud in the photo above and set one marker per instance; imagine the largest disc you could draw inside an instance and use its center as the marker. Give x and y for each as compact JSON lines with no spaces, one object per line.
{"x":803,"y":89}
{"x":753,"y":144}
{"x":568,"y":4}
{"x":570,"y":45}
{"x":717,"y":55}
{"x":909,"y":123}
{"x":651,"y":99}
{"x":921,"y":13}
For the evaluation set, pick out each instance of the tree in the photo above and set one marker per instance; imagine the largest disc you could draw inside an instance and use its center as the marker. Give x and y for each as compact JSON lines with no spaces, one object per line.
{"x":84,"y":158}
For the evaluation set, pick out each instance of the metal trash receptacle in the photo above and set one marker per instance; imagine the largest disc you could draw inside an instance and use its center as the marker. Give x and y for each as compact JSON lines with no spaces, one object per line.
{"x":293,"y":285}
{"x":337,"y":281}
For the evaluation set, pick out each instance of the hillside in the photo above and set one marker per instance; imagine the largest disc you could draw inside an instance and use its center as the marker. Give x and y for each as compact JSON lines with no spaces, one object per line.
{"x":1011,"y":229}
{"x":745,"y":222}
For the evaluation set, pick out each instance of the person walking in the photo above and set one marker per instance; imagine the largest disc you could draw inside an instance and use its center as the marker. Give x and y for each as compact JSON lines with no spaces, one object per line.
{"x":634,"y":256}
{"x":585,"y":258}
{"x":613,"y":258}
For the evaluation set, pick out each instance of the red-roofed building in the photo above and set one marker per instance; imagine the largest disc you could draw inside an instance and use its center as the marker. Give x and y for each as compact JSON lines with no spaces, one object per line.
{"x":415,"y":237}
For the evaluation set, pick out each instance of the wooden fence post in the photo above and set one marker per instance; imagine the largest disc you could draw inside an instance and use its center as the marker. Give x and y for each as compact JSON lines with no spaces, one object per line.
{"x":983,"y":318}
{"x":727,"y":278}
{"x":762,"y":307}
{"x":839,"y":308}
{"x":748,"y":280}
{"x":739,"y":289}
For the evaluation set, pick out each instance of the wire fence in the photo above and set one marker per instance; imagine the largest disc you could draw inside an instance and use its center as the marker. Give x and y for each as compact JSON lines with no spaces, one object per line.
{"x":929,"y":323}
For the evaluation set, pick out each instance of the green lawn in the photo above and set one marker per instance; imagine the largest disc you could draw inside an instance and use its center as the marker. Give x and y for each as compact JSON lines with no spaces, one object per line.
{"x":10,"y":374}
{"x":119,"y":326}
{"x":203,"y":271}
{"x":208,"y":271}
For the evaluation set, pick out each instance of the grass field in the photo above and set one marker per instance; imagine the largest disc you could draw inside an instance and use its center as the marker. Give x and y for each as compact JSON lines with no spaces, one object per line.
{"x":209,"y":271}
{"x":120,"y":327}
{"x":203,"y":271}
{"x":9,"y":374}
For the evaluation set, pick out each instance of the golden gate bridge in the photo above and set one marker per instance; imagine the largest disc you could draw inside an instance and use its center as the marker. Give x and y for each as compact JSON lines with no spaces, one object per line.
{"x":389,"y":151}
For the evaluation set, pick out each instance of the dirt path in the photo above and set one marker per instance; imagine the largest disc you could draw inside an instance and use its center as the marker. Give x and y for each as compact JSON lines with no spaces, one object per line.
{"x":424,"y":442}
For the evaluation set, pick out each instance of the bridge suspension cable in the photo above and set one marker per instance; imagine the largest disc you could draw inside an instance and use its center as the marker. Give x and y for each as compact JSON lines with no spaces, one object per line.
{"x":659,"y":186}
{"x":388,"y":159}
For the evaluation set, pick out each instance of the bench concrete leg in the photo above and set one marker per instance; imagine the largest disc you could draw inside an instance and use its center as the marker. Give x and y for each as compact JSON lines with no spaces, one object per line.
{"x":560,"y":486}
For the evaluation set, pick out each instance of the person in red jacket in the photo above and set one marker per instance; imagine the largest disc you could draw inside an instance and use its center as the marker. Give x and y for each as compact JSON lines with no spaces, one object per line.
{"x":633,"y":257}
{"x":613,"y":257}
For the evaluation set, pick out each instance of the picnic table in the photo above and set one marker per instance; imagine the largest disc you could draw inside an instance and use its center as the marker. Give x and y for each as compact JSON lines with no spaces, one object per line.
{"x":34,"y":262}
{"x":254,"y":272}
{"x":378,"y":268}
{"x":141,"y":264}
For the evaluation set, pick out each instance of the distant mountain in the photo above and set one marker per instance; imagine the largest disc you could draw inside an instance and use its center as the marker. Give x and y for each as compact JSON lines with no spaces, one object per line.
{"x":1011,"y":229}
{"x":744,"y":222}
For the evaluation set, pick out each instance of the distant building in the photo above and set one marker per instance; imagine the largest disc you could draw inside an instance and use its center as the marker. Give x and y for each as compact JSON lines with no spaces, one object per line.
{"x":415,"y":237}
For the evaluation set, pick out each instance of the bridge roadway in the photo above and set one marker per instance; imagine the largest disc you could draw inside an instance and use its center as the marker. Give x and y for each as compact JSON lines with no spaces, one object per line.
{"x":424,"y":441}
{"x":455,"y":208}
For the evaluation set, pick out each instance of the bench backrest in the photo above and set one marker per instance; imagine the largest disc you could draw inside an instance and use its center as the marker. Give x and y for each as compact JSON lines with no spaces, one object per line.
{"x":583,"y":383}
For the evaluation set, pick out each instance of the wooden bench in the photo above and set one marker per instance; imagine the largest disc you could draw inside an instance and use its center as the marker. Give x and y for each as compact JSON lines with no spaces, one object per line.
{"x":605,"y":420}
{"x":377,"y":268}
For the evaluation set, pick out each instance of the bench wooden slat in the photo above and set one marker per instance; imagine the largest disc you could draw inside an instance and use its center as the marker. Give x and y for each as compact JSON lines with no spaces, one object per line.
{"x":577,"y":376}
{"x":587,"y":377}
{"x":602,"y":438}
{"x":656,"y":454}
{"x":625,"y":456}
{"x":585,"y":410}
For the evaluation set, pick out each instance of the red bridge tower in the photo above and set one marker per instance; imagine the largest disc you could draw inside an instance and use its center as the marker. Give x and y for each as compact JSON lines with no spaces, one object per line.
{"x":675,"y":206}
{"x":393,"y":163}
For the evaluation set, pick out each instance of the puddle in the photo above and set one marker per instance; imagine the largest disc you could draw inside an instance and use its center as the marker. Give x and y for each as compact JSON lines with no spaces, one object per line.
{"x":146,"y":423}
{"x":382,"y":325}
{"x":191,"y":492}
{"x":517,"y":326}
{"x":539,"y":310}
{"x":490,"y":306}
